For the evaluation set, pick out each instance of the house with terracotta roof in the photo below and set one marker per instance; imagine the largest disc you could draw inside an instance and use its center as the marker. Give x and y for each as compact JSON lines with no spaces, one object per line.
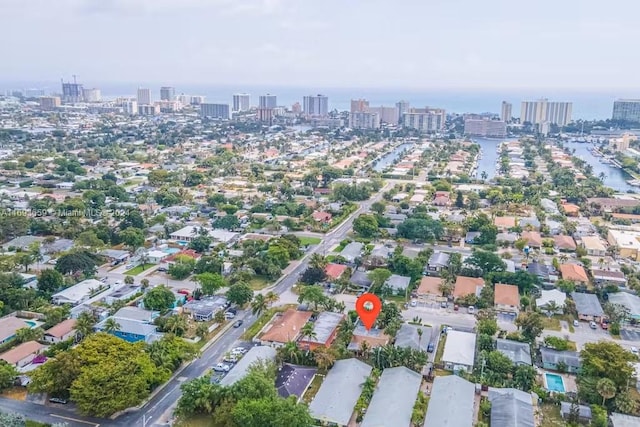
{"x":321,"y":216}
{"x":61,"y":332}
{"x":533,"y":238}
{"x":429,"y":289}
{"x":564,"y":243}
{"x":504,"y":222}
{"x":334,"y":271}
{"x":467,"y":285}
{"x":23,"y":354}
{"x":506,"y":298}
{"x":570,"y":209}
{"x":574,"y":272}
{"x":285,"y":327}
{"x":373,"y":338}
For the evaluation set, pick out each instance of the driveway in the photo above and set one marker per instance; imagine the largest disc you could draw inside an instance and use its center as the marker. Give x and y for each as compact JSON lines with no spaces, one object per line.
{"x":440,"y":316}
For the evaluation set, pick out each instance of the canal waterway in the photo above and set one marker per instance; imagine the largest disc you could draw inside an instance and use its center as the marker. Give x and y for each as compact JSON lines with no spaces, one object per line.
{"x":615,"y":178}
{"x":388,"y":159}
{"x":489,"y":156}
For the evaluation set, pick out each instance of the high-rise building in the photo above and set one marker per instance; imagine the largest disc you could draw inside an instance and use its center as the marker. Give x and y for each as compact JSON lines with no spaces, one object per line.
{"x":130,"y":107}
{"x":424,"y":119}
{"x":148,"y":110}
{"x":506,"y":111}
{"x":315,"y":105}
{"x":267,"y":101}
{"x":403,"y":107}
{"x":386,"y":114}
{"x":71,"y":92}
{"x":215,"y":111}
{"x":359,"y":105}
{"x":144,"y":96}
{"x":296,"y":108}
{"x":91,"y":95}
{"x":49,"y":102}
{"x":34,"y":93}
{"x":197,"y":100}
{"x":537,"y":112}
{"x":167,"y":93}
{"x":265,"y":115}
{"x":241,"y":101}
{"x":627,"y":110}
{"x":184,"y":99}
{"x":484,"y":127}
{"x":364,"y":120}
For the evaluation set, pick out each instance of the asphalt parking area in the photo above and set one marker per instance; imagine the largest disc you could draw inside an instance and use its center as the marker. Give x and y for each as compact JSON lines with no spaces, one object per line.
{"x":630,"y":335}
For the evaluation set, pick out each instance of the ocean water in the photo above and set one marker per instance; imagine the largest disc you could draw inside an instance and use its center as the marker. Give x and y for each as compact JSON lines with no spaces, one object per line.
{"x":587,"y":104}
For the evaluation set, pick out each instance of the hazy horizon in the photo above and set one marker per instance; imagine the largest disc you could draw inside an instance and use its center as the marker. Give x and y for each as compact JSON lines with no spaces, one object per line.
{"x":415,"y":45}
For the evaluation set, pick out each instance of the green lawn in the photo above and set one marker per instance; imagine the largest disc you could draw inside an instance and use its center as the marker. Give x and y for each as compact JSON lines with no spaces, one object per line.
{"x":440,"y":350}
{"x":313,"y":389}
{"x":258,"y":282}
{"x":196,"y":421}
{"x":306,"y":241}
{"x":138,"y":269}
{"x":551,"y":323}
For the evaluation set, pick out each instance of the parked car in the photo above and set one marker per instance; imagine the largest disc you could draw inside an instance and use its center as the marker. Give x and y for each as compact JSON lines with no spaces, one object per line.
{"x":231,"y":358}
{"x":239,"y":350}
{"x":221,"y":367}
{"x":229,"y":315}
{"x":471,"y":309}
{"x":634,"y":350}
{"x":58,"y":400}
{"x":443,"y":304}
{"x":431,"y":347}
{"x":238,"y":323}
{"x":161,"y":269}
{"x":576,"y":323}
{"x":455,"y":307}
{"x":593,"y":325}
{"x":414,"y":303}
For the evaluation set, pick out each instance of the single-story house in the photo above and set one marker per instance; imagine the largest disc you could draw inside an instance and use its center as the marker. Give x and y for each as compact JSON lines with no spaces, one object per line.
{"x":518,"y":352}
{"x":593,"y":245}
{"x":131,"y":330}
{"x":352,"y":251}
{"x":429,"y":289}
{"x":285,"y":327}
{"x":584,"y":412}
{"x":8,"y":327}
{"x":137,"y":313}
{"x":398,"y":283}
{"x":588,"y":306}
{"x":156,"y":257}
{"x":321,"y":216}
{"x":374,"y":338}
{"x":506,"y":298}
{"x":23,"y":242}
{"x":554,"y":295}
{"x":115,"y":255}
{"x":325,"y":330}
{"x":564,"y":243}
{"x":293,"y":380}
{"x":408,"y":336}
{"x":511,"y":407}
{"x":189,"y":232}
{"x":574,"y":273}
{"x":529,"y":222}
{"x":437,"y":262}
{"x":630,"y":301}
{"x":204,"y":309}
{"x":506,"y":237}
{"x":241,"y":369}
{"x":459,"y":351}
{"x":452,"y":403}
{"x":623,"y":420}
{"x":23,"y":354}
{"x":467,"y":285}
{"x":78,"y":293}
{"x":608,"y":277}
{"x":398,"y":389}
{"x":360,"y":278}
{"x":340,"y":392}
{"x":504,"y":223}
{"x":61,"y":332}
{"x":533,"y":238}
{"x":551,"y":358}
{"x":543,"y":271}
{"x":123,"y":293}
{"x":334,"y":271}
{"x":471,"y":236}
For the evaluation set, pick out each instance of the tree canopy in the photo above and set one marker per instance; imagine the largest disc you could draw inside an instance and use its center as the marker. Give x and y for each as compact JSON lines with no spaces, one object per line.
{"x":160,"y":298}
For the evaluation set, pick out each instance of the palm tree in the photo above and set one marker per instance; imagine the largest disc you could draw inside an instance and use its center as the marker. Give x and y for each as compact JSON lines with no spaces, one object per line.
{"x":176,"y":325}
{"x":564,"y":258}
{"x":84,"y":324}
{"x":420,"y":331}
{"x":606,"y":388}
{"x":259,"y":304}
{"x":111,"y":325}
{"x":601,"y":262}
{"x":364,"y":348}
{"x":317,"y":261}
{"x":271,"y":297}
{"x":324,"y":357}
{"x":484,"y":175}
{"x":202,"y":330}
{"x":144,"y":283}
{"x":307,"y":331}
{"x":551,"y":307}
{"x":289,"y":352}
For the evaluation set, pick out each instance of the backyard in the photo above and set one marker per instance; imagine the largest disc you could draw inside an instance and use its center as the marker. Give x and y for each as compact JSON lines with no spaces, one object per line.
{"x":138,"y":269}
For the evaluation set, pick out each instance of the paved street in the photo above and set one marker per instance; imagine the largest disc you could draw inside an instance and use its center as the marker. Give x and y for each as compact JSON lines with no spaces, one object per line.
{"x":157,"y":411}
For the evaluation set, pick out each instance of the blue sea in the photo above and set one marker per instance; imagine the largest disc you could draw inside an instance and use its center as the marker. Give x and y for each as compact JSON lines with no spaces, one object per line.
{"x":587,"y":104}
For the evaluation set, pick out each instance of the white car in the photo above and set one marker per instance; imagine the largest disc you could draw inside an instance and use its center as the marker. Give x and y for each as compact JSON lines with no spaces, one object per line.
{"x":576,"y":323}
{"x":229,"y":315}
{"x":221,"y":367}
{"x":634,"y":350}
{"x":239,"y":350}
{"x":414,"y":303}
{"x":231,"y":358}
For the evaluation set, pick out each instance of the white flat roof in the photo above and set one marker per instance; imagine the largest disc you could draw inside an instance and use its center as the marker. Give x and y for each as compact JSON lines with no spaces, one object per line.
{"x":460,"y":348}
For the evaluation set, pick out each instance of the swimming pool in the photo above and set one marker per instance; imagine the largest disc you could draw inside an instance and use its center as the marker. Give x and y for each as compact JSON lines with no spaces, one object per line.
{"x":171,"y":251}
{"x":554,"y":382}
{"x":31,"y":323}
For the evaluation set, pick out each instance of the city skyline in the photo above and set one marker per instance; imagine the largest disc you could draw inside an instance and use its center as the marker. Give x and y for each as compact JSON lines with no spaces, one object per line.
{"x":310,"y":57}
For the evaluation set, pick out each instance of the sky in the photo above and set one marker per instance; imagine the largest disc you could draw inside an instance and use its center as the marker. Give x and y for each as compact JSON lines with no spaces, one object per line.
{"x":415,"y":44}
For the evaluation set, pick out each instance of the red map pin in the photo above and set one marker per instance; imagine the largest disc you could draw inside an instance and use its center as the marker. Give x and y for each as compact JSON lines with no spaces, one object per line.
{"x":368,"y":307}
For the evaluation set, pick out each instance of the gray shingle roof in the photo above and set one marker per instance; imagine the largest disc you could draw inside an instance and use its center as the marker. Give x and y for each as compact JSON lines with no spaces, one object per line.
{"x":397,"y":389}
{"x":352,"y":251}
{"x":587,"y":304}
{"x":511,"y":407}
{"x":340,"y":391}
{"x":451,"y":403}
{"x":408,"y":336}
{"x":570,"y":358}
{"x":517,"y":352}
{"x":583,"y":410}
{"x":325,"y":324}
{"x":397,"y":282}
{"x":439,"y":258}
{"x":255,"y":354}
{"x":293,"y":380}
